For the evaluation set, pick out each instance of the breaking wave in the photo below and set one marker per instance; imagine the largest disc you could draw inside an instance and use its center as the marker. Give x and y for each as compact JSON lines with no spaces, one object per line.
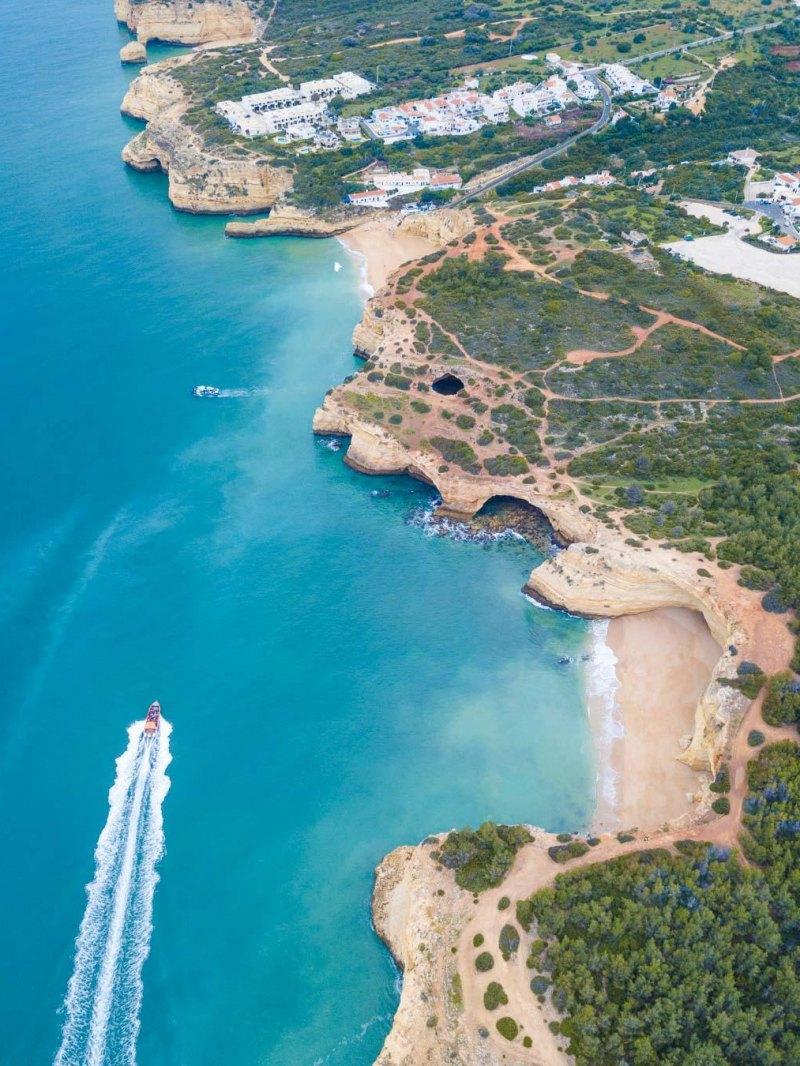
{"x":604,"y":714}
{"x":104,"y":994}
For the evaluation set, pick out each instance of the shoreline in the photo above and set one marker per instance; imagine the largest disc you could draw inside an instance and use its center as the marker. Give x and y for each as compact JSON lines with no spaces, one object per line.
{"x":647,"y":674}
{"x":381,"y":247}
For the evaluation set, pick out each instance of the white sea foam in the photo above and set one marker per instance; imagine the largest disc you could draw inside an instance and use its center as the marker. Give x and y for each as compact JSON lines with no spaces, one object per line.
{"x":604,"y":712}
{"x":364,"y":286}
{"x":104,"y":994}
{"x":434,"y":525}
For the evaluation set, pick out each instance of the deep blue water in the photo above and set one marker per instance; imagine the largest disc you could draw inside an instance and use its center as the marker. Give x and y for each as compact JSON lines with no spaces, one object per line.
{"x":338,"y":682}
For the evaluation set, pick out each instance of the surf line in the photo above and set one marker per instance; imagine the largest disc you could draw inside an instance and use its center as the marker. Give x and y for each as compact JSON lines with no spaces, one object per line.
{"x":104,"y":993}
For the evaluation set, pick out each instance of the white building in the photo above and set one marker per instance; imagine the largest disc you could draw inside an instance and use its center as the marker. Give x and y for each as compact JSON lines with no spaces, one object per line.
{"x":350,"y":128}
{"x":745,"y":157}
{"x":624,"y":81}
{"x":280,"y":110}
{"x":786,"y":186}
{"x":369,"y":198}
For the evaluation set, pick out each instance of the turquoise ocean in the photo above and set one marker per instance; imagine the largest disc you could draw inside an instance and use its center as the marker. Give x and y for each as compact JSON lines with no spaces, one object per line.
{"x":338,"y":681}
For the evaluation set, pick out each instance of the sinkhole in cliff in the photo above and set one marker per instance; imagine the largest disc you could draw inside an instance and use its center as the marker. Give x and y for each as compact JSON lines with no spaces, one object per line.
{"x":447,"y":385}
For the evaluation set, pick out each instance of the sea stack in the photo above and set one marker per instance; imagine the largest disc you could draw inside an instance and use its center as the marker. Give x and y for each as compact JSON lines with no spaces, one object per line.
{"x":133,"y":52}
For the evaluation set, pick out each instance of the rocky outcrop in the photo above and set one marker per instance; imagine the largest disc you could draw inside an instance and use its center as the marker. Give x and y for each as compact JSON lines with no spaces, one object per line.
{"x":199,"y":182}
{"x":419,"y":912}
{"x":187,"y":22}
{"x":286,"y":221}
{"x":608,"y":580}
{"x":374,"y":450}
{"x":440,"y":227}
{"x":153,"y":91}
{"x":133,"y":52}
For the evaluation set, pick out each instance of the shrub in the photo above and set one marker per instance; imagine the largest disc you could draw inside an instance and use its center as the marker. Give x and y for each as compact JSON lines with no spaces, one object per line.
{"x":477,"y":940}
{"x":395,"y":420}
{"x":524,"y":913}
{"x":564,"y":852}
{"x":755,"y":738}
{"x":722,"y":781}
{"x":721,"y":805}
{"x":539,"y":985}
{"x":527,"y":1042}
{"x":503,"y":903}
{"x":482,"y":857}
{"x":508,"y":941}
{"x":465,"y":421}
{"x":564,"y":838}
{"x":420,"y":406}
{"x":484,"y":962}
{"x":398,"y":381}
{"x":506,"y":465}
{"x":508,"y":1028}
{"x":494,"y":996}
{"x":782,"y":702}
{"x":625,"y":838}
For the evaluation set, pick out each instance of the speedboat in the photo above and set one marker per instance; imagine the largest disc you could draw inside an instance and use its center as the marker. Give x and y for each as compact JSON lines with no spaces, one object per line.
{"x":153,"y":718}
{"x":205,"y":390}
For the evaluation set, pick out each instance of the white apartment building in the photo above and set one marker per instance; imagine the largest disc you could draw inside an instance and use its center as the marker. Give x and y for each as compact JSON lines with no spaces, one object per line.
{"x":624,"y":81}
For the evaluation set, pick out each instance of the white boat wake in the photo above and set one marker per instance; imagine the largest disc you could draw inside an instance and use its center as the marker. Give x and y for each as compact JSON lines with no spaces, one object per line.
{"x":104,"y":995}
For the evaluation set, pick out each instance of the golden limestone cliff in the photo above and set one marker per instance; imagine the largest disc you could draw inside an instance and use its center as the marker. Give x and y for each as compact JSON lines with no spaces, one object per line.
{"x":598,"y":576}
{"x":184,"y":22}
{"x":200,"y":181}
{"x":286,"y":221}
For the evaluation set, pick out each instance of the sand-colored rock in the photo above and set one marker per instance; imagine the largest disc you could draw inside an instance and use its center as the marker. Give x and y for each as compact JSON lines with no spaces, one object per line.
{"x":287,"y":221}
{"x":440,"y":227}
{"x":199,"y":181}
{"x":609,"y":580}
{"x":133,"y":52}
{"x":153,"y":91}
{"x":185,"y":22}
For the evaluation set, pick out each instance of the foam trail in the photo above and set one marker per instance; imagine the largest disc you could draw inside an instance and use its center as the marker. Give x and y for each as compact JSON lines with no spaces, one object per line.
{"x":604,"y":712}
{"x":105,"y":991}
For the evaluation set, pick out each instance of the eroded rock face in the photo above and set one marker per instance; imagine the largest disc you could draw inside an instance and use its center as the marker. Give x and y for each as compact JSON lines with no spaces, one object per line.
{"x":440,"y":226}
{"x":199,"y":181}
{"x":184,"y":22}
{"x":608,"y":580}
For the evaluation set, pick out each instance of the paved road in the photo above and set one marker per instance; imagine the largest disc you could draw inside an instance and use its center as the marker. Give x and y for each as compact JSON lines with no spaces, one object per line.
{"x":546,"y":153}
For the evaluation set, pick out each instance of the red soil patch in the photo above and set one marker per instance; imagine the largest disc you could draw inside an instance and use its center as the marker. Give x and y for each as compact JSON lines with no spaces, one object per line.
{"x":790,"y":50}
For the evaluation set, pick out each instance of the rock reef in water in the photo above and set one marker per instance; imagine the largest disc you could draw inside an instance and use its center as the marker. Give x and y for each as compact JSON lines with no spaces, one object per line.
{"x":184,"y":22}
{"x":286,"y":221}
{"x":199,"y":182}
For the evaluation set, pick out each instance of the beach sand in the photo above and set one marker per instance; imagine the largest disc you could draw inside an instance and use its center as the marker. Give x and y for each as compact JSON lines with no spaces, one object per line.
{"x":664,"y":661}
{"x":384,"y":248}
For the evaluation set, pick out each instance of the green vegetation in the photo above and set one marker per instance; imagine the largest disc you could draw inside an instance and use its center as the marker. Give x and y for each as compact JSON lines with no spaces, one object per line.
{"x":704,"y":182}
{"x":564,"y":852}
{"x":477,"y":940}
{"x":481,"y":857}
{"x":755,"y":738}
{"x":689,"y":958}
{"x":484,"y":962}
{"x":782,"y":701}
{"x":503,"y":903}
{"x":480,"y":304}
{"x":508,"y":1028}
{"x":494,"y":996}
{"x":508,"y":941}
{"x":458,"y":452}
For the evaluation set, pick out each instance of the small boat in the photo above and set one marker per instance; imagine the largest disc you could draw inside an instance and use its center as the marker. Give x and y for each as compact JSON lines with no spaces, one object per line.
{"x":205,"y":390}
{"x":153,"y":719}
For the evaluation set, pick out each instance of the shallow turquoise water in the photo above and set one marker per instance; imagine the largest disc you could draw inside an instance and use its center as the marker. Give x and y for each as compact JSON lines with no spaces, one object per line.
{"x":338,"y":682}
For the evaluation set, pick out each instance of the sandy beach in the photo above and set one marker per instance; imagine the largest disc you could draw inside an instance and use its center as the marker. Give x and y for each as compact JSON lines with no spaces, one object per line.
{"x":664,"y":661}
{"x":383,"y":248}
